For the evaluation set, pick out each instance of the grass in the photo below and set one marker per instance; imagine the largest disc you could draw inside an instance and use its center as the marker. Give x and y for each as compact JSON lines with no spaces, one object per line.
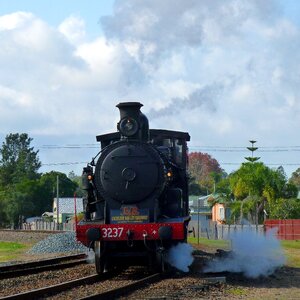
{"x":212,"y":244}
{"x":11,"y":250}
{"x":237,"y":292}
{"x":291,"y":244}
{"x":292,"y":252}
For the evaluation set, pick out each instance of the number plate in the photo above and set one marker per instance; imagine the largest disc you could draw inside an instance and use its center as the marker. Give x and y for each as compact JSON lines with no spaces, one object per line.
{"x":111,"y":232}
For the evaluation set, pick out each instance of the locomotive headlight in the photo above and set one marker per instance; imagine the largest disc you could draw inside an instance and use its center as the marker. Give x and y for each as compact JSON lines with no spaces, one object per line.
{"x":128,"y":126}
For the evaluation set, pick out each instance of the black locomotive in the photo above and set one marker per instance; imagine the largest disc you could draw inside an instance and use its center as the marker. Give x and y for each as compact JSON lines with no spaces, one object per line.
{"x":136,"y":206}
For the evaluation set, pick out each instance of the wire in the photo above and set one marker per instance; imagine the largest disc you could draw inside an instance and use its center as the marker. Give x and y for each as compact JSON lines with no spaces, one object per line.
{"x":244,"y":150}
{"x":68,"y":147}
{"x":261,"y":149}
{"x":269,"y":149}
{"x":65,"y":163}
{"x":268,"y":164}
{"x":221,"y":163}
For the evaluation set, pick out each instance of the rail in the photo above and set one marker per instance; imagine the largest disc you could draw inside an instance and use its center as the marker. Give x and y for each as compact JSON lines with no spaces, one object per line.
{"x":42,"y":265}
{"x":65,"y":286}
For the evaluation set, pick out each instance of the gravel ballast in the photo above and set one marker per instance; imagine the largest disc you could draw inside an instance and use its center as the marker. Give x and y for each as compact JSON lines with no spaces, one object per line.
{"x":58,"y":243}
{"x":42,"y":244}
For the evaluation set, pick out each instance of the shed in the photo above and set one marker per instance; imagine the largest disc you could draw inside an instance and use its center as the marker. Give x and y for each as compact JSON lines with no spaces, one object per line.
{"x":220,"y":211}
{"x":200,"y":212}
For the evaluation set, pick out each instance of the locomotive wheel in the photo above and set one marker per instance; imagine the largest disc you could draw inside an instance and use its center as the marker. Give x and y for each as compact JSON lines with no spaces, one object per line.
{"x":99,"y":261}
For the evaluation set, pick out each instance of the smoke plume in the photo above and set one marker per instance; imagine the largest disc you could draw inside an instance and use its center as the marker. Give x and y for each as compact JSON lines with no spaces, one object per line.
{"x":180,"y":256}
{"x":252,"y":254}
{"x":205,"y":96}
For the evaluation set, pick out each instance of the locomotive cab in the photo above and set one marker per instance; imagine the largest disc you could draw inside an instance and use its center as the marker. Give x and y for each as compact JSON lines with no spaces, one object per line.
{"x":136,"y":204}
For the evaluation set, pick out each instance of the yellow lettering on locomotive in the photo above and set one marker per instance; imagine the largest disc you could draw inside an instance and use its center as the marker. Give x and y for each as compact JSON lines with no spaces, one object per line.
{"x":130,"y":211}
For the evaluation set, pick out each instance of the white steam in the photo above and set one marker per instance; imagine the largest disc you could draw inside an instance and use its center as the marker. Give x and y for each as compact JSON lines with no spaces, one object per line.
{"x":180,"y":256}
{"x":253,"y":254}
{"x":90,"y":256}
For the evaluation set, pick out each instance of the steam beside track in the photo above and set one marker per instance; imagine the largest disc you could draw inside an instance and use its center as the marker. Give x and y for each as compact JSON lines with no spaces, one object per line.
{"x":180,"y":256}
{"x":252,"y":254}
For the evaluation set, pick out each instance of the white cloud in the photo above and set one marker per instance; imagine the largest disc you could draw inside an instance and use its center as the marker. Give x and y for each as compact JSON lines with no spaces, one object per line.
{"x":14,"y":98}
{"x":224,"y":71}
{"x":74,"y":29}
{"x":14,"y":20}
{"x":63,"y":83}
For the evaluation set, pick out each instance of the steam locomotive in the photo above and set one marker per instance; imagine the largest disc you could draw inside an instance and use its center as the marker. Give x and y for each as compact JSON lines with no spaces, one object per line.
{"x":136,"y":204}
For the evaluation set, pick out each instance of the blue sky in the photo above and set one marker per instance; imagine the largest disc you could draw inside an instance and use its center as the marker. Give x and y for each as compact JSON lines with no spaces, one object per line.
{"x":225,"y":71}
{"x":55,"y":11}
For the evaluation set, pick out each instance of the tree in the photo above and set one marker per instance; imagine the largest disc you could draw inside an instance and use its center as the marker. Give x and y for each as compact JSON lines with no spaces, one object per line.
{"x":48,"y":189}
{"x":259,"y":187}
{"x":19,"y":165}
{"x":77,"y":179}
{"x":295,"y":178}
{"x":285,"y":209}
{"x":194,"y":187}
{"x":21,"y":199}
{"x":18,"y":159}
{"x":201,"y":167}
{"x":223,"y":187}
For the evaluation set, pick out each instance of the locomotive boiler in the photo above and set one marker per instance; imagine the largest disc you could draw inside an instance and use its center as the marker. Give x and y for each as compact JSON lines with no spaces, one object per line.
{"x":136,"y":204}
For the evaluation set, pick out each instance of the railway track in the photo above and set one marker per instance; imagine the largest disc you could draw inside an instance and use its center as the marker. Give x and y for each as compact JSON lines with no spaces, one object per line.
{"x":106,"y":278}
{"x":123,"y":290}
{"x":42,"y":265}
{"x":38,"y":293}
{"x":107,"y":286}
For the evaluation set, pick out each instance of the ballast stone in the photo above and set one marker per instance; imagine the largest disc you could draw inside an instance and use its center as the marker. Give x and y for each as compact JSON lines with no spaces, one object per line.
{"x":57,"y":243}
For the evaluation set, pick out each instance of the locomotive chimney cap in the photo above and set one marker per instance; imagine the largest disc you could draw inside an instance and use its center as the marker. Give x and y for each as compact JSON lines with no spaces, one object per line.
{"x":127,"y":104}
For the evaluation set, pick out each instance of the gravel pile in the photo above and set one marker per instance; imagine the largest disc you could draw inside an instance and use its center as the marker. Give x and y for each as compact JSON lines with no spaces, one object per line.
{"x":58,"y":243}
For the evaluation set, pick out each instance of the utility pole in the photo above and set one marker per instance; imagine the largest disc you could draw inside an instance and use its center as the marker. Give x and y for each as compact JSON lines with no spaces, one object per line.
{"x":57,"y":201}
{"x":252,"y":159}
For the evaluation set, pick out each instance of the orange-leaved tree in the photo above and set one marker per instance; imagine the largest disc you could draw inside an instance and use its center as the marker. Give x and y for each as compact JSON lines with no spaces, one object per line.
{"x":203,"y":169}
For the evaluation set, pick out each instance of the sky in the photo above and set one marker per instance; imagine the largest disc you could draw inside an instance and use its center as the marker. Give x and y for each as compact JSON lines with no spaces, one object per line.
{"x":225,"y":71}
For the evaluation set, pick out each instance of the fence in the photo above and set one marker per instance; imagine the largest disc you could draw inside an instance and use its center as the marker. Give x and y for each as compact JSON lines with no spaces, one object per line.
{"x":286,"y":229}
{"x":48,"y":226}
{"x":221,"y":231}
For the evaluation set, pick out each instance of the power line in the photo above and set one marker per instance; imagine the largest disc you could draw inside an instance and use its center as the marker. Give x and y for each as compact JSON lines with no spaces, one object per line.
{"x":268,"y":164}
{"x":243,"y":150}
{"x":192,"y":148}
{"x":221,"y":163}
{"x":65,"y":163}
{"x":69,"y":147}
{"x":242,"y":147}
{"x":92,"y":145}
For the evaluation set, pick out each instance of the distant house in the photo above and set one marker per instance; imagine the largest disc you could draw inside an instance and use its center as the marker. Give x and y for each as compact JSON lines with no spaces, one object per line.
{"x":199,"y":202}
{"x":220,"y":212}
{"x":200,"y":210}
{"x":64,"y":208}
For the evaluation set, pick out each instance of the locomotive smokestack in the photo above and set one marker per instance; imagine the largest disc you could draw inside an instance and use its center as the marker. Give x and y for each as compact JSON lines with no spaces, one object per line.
{"x":133,"y":123}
